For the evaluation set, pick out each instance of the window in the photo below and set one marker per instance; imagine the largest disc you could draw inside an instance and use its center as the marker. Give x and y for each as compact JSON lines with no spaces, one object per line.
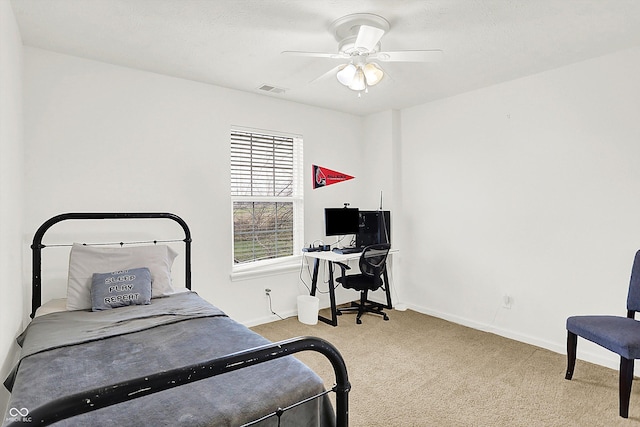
{"x":266,"y":194}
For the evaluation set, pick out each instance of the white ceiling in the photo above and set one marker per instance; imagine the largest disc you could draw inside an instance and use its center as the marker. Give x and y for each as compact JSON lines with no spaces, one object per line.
{"x":238,"y":43}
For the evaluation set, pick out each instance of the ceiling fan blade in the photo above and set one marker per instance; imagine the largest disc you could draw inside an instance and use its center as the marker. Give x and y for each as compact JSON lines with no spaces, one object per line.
{"x":316,"y":54}
{"x":331,"y":73}
{"x":434,"y":55}
{"x":368,"y":37}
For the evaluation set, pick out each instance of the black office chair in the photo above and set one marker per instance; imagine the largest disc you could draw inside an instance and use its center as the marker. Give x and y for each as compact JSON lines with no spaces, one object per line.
{"x":373,"y":264}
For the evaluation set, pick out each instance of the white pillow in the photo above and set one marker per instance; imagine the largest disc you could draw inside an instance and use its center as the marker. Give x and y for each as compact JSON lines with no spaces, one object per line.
{"x":86,"y":260}
{"x":52,"y":306}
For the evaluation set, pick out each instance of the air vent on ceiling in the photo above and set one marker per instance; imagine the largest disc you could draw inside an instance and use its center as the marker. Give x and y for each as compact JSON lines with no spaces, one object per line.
{"x":272,"y":89}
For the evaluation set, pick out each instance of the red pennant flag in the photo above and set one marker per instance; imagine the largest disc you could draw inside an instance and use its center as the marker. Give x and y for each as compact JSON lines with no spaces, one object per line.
{"x":323,"y":177}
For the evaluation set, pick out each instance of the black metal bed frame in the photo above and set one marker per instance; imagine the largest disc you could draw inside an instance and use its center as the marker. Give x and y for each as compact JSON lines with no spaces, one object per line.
{"x":97,"y":398}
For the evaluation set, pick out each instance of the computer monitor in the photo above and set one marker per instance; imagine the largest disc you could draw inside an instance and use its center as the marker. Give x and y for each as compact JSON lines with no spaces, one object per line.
{"x":341,"y":221}
{"x":375,"y":227}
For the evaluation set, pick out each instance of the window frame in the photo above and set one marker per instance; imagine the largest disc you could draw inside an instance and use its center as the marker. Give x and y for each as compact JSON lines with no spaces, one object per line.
{"x":280,"y":263}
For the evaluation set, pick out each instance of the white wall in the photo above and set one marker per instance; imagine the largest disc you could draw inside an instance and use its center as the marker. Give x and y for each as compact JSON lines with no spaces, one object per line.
{"x":11,"y":190}
{"x":525,"y":188}
{"x":105,"y":138}
{"x":528,"y":188}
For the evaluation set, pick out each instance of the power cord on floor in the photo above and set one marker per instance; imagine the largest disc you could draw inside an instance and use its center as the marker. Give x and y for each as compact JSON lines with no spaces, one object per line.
{"x":270,"y":307}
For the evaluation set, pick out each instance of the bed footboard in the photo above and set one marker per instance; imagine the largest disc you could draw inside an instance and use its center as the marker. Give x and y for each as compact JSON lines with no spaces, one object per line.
{"x":91,"y":400}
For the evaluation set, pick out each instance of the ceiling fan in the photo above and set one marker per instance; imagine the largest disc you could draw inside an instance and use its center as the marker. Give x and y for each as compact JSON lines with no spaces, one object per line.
{"x":358,"y":37}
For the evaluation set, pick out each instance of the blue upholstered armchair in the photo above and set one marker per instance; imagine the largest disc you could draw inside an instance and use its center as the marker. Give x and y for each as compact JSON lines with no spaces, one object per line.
{"x":616,"y":333}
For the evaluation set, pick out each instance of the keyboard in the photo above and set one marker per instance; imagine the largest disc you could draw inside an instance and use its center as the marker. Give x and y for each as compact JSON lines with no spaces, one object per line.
{"x":345,"y":251}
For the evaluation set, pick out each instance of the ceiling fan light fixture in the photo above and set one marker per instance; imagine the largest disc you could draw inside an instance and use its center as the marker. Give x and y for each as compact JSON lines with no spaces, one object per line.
{"x":359,"y":76}
{"x":373,"y":74}
{"x":346,"y":74}
{"x":359,"y":82}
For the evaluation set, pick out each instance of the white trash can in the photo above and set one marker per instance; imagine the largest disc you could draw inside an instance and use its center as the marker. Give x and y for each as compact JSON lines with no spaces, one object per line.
{"x":308,"y":309}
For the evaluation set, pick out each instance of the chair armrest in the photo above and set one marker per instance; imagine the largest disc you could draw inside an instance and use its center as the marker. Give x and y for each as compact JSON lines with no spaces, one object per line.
{"x":343,"y":266}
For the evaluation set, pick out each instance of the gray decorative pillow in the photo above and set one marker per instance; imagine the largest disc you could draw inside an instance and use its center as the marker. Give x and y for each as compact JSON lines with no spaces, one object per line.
{"x":120,"y":288}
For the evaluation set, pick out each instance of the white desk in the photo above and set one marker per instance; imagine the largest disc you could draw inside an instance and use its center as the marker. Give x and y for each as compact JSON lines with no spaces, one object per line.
{"x":331,"y":258}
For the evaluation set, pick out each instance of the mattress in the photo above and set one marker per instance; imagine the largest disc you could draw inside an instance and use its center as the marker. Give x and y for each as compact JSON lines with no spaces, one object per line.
{"x":66,"y":352}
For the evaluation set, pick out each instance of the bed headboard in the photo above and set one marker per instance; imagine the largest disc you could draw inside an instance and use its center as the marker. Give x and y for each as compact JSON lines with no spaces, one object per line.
{"x":37,"y":246}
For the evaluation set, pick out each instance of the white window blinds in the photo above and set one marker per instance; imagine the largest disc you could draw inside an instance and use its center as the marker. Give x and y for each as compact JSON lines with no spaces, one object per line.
{"x":261,"y":165}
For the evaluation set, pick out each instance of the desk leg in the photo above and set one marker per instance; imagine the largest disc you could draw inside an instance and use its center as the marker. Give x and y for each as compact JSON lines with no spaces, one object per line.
{"x":314,"y":277}
{"x":332,"y":294}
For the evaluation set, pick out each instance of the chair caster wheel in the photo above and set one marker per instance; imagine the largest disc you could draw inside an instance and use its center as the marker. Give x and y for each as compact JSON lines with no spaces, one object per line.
{"x":338,"y":312}
{"x":359,"y":322}
{"x":386,"y":317}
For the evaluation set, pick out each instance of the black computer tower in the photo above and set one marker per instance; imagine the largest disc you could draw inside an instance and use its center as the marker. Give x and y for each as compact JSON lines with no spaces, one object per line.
{"x":375,"y":227}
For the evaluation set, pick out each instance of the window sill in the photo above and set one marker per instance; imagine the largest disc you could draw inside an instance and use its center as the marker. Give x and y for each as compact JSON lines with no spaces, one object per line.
{"x":272,"y":268}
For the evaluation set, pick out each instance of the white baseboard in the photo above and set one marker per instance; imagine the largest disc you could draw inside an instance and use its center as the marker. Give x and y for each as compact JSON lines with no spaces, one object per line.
{"x":269,"y":318}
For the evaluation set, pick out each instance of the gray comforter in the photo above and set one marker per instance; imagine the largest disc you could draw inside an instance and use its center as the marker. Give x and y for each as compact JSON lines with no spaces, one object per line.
{"x":65,"y":353}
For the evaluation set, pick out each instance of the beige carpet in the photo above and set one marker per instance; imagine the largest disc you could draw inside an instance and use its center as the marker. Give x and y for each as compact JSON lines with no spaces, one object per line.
{"x":417,"y":370}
